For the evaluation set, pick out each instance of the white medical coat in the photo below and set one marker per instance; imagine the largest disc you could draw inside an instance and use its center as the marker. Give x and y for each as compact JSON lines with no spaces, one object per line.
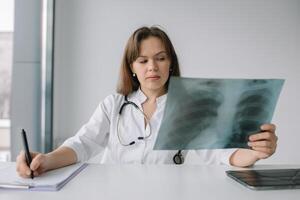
{"x":99,"y":135}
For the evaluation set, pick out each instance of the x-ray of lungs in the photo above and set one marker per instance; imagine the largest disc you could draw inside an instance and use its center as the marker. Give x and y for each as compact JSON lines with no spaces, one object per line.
{"x":215,"y":113}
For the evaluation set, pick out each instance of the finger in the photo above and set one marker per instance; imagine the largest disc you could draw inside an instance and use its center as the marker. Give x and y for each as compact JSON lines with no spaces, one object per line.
{"x":22,"y":166}
{"x":268,"y":127}
{"x":265,"y":150}
{"x":33,"y":154}
{"x":21,"y":156}
{"x":264,"y":143}
{"x":36,"y":162}
{"x":260,"y":155}
{"x":36,"y":173}
{"x":263,"y":136}
{"x":23,"y":175}
{"x":39,"y":171}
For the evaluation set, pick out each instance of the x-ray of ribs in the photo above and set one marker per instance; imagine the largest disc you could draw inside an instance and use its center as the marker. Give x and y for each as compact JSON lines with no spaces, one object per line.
{"x":251,"y":110}
{"x":196,"y":115}
{"x":216,"y":113}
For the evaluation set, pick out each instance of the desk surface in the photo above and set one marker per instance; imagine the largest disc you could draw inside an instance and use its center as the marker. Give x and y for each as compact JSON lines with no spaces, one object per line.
{"x":143,"y":182}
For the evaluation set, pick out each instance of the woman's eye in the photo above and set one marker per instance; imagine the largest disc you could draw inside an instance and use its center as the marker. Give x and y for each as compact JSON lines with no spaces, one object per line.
{"x":142,"y":61}
{"x":161,"y":58}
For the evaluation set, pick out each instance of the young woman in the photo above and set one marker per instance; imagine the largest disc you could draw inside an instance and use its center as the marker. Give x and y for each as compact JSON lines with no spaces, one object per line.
{"x":125,"y":125}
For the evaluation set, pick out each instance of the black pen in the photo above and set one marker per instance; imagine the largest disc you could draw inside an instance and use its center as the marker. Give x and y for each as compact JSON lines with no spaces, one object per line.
{"x":27,"y":152}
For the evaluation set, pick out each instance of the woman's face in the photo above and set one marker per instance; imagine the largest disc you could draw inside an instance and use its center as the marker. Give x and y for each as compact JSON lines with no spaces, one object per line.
{"x":152,"y":67}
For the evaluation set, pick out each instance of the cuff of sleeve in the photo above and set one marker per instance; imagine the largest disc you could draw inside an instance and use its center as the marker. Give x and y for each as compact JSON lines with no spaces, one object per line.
{"x":226,"y":154}
{"x":79,"y":155}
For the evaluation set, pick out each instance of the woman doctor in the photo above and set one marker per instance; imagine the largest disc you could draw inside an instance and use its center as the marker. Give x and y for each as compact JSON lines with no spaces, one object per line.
{"x":124,"y":126}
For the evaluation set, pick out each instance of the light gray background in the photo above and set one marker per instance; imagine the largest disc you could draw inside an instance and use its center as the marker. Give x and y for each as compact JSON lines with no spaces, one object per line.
{"x":26,"y":76}
{"x":217,"y":39}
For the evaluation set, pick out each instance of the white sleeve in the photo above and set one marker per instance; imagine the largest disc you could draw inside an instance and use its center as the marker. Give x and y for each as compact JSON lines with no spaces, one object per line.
{"x":92,"y":137}
{"x":214,"y":156}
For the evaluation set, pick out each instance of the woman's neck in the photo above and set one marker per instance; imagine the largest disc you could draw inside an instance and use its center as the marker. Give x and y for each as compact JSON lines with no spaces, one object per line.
{"x":153,"y":94}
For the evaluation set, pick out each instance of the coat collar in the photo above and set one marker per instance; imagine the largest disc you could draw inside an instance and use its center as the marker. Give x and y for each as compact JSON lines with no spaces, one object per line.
{"x":139,"y":98}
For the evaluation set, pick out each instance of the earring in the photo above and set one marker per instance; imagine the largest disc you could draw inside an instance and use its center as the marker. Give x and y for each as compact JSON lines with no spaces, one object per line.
{"x":134,"y":74}
{"x":171,"y":69}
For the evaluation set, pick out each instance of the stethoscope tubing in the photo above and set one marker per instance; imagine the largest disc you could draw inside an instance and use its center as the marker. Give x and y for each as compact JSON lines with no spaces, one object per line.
{"x":178,"y":158}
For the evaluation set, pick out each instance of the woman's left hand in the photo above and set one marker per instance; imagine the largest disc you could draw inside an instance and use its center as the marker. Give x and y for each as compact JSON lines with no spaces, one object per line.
{"x":264,"y":143}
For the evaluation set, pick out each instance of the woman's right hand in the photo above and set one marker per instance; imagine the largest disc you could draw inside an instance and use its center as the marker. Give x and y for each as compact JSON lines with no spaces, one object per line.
{"x":38,"y":165}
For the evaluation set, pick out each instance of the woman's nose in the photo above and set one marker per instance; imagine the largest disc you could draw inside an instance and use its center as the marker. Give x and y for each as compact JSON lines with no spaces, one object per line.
{"x":152,"y":65}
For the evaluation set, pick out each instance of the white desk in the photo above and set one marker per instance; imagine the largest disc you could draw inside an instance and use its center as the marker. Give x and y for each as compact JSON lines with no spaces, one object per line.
{"x":153,"y":182}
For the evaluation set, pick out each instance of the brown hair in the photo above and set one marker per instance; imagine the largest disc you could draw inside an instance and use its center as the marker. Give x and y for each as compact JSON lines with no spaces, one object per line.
{"x":128,"y":83}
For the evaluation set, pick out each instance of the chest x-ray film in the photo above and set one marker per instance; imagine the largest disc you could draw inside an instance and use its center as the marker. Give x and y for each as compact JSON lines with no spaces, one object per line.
{"x":215,"y":113}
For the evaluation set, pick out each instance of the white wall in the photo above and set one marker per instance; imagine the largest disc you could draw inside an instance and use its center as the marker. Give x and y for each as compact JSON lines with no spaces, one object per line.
{"x":251,"y":39}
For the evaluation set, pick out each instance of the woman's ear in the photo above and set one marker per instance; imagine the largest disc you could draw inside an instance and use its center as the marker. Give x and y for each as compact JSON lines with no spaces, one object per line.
{"x":131,"y":68}
{"x":132,"y":71}
{"x":170,"y":70}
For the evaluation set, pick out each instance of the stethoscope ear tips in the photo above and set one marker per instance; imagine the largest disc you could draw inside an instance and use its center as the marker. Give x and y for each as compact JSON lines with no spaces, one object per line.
{"x":132,"y":143}
{"x":140,"y":138}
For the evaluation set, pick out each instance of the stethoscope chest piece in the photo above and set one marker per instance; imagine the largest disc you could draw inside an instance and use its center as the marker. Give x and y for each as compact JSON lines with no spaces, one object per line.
{"x":178,"y":158}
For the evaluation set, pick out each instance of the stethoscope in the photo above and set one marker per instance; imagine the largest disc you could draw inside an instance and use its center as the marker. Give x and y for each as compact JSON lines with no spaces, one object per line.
{"x":177,"y":158}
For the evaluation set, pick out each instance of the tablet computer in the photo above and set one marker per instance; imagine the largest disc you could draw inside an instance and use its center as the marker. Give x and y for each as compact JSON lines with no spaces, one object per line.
{"x":267,"y":179}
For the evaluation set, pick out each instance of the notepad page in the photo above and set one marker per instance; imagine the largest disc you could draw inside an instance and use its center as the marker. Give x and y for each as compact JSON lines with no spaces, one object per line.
{"x":8,"y":174}
{"x":52,"y":178}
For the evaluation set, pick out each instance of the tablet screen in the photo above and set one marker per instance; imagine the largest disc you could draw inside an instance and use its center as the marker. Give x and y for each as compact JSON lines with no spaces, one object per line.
{"x":267,"y":179}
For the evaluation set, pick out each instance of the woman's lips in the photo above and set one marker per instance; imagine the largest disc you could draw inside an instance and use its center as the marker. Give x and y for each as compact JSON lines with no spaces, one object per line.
{"x":153,"y":77}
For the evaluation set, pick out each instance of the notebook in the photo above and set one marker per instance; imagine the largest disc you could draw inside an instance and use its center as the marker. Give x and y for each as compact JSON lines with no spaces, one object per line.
{"x":267,"y":179}
{"x":53,"y":180}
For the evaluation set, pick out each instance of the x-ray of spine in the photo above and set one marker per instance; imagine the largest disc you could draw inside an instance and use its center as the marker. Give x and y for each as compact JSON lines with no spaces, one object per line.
{"x":215,"y":113}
